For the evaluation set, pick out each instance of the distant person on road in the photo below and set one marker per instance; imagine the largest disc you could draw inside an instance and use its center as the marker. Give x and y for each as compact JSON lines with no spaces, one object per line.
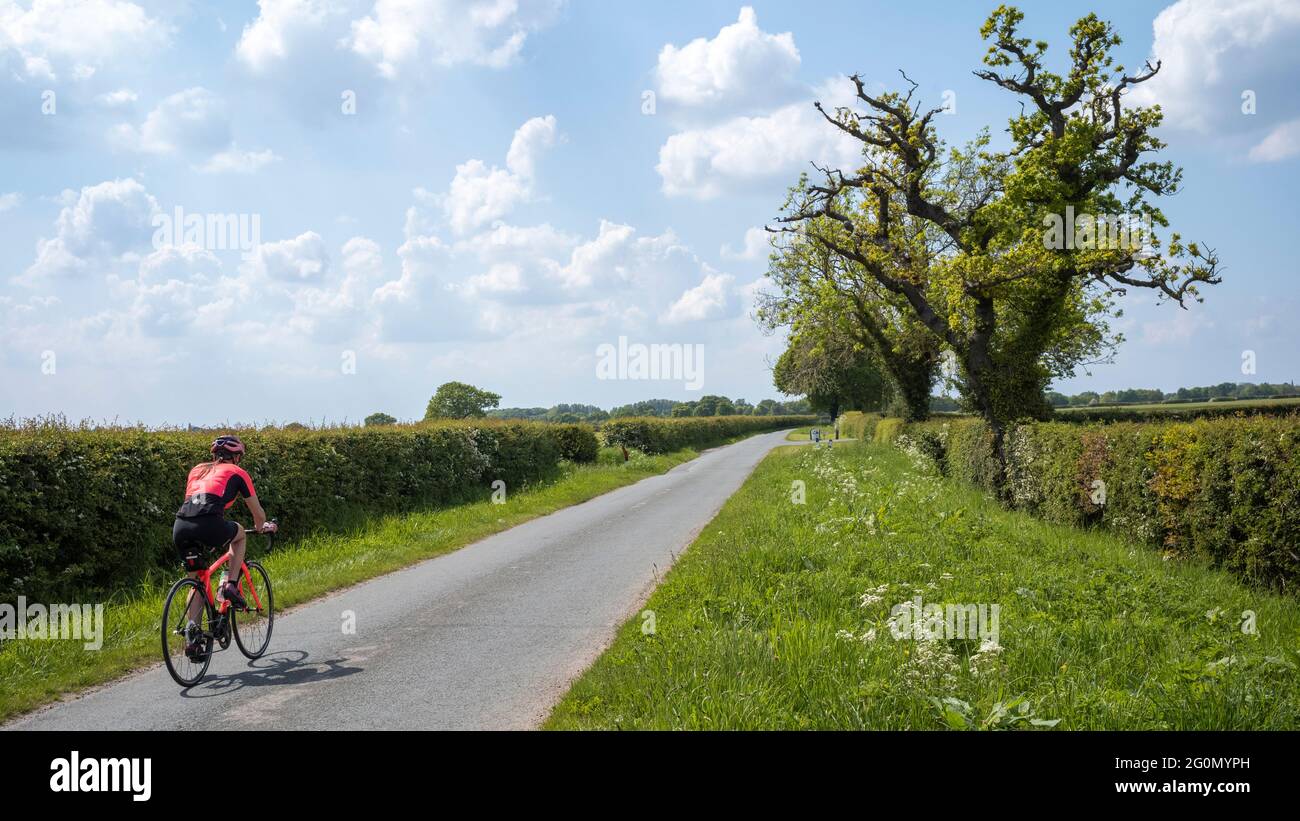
{"x":201,"y":525}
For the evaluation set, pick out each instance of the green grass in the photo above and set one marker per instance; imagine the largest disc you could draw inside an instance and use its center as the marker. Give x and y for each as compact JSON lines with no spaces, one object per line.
{"x":760,"y":624}
{"x":36,"y":672}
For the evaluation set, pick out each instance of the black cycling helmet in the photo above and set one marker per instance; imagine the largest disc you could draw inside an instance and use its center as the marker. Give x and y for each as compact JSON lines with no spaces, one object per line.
{"x":227,"y":447}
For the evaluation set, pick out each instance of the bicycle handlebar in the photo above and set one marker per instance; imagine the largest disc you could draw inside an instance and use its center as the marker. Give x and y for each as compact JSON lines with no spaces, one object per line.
{"x":250,"y":531}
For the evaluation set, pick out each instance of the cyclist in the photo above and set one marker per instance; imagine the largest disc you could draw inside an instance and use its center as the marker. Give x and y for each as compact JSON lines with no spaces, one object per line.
{"x":211,"y":489}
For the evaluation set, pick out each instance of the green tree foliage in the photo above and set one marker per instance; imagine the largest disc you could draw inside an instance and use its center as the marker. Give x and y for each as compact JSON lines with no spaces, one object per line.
{"x":962,"y":239}
{"x":821,"y":295}
{"x":457,"y":400}
{"x":835,"y":373}
{"x":646,"y":407}
{"x":380,"y":419}
{"x":563,"y":413}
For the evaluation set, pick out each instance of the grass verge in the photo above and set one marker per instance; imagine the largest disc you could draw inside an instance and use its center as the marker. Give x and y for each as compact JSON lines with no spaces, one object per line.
{"x":37,"y":672}
{"x":779,"y":617}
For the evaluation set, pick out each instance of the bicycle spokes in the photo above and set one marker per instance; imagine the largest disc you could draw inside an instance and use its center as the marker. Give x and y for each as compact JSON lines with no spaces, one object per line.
{"x":186,"y":642}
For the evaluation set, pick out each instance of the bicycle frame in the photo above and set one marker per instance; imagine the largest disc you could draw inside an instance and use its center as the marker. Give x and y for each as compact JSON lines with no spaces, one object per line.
{"x":204,"y":578}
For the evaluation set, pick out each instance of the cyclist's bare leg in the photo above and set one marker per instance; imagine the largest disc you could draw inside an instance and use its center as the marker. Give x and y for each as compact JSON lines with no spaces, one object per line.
{"x":237,"y":547}
{"x":196,"y":602}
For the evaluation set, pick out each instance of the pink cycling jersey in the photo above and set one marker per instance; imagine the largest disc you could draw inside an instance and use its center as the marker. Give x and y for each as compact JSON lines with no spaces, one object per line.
{"x":212,"y":488}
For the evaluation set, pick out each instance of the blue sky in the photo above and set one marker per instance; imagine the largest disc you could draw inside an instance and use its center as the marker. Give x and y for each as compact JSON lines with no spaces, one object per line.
{"x":501,"y":202}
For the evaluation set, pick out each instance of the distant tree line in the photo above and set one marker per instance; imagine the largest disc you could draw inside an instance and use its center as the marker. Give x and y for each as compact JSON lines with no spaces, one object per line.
{"x":1143,"y":396}
{"x":560,"y":413}
{"x":708,"y":405}
{"x":457,"y":400}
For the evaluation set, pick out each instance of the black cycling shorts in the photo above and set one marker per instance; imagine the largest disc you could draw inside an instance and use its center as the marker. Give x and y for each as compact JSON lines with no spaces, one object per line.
{"x":195,"y":538}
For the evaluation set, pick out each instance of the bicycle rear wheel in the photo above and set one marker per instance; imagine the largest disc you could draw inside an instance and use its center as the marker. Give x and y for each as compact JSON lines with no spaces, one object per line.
{"x":186,"y":668}
{"x":252,"y":627}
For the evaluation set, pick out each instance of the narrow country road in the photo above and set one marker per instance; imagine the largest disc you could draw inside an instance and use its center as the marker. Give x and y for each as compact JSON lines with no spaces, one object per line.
{"x":487,"y":637}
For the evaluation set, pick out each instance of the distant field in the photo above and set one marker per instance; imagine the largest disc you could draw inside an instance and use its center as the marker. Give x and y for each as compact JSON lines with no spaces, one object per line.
{"x":1183,"y":409}
{"x":1166,"y":406}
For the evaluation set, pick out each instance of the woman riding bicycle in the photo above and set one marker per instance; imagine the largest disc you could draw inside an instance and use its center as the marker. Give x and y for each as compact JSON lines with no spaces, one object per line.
{"x":212,"y":488}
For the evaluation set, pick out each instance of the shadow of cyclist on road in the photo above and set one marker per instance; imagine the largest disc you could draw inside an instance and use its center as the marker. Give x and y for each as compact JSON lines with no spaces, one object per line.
{"x":287,"y":667}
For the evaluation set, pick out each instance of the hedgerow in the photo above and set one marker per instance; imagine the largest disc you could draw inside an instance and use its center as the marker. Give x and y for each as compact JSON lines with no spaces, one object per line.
{"x":1172,"y":411}
{"x":1223,"y":490}
{"x":858,"y":425}
{"x":659,"y":435}
{"x":87,"y":509}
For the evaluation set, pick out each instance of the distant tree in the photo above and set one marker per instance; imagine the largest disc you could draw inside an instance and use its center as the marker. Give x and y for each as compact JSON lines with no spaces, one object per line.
{"x":834,"y":371}
{"x":708,"y":405}
{"x":380,"y":419}
{"x":519,"y":413}
{"x":944,"y":404}
{"x":646,"y":407}
{"x":683,"y":409}
{"x":1057,"y":400}
{"x":765,"y":407}
{"x":457,"y":400}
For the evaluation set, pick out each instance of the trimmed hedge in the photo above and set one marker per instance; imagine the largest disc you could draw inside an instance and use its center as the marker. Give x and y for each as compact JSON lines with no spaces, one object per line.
{"x":659,"y":435}
{"x":85,"y":510}
{"x":1223,"y":490}
{"x":858,"y":425}
{"x":577,"y":443}
{"x":1171,"y":411}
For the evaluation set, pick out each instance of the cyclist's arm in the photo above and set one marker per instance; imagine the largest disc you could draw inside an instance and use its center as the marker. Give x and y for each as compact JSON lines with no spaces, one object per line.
{"x":255,"y":507}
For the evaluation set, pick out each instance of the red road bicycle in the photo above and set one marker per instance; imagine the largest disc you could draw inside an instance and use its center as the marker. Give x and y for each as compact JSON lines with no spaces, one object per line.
{"x":188,"y":656}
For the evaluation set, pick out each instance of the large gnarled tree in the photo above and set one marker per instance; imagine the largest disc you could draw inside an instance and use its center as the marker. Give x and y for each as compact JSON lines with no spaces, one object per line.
{"x":960,"y":237}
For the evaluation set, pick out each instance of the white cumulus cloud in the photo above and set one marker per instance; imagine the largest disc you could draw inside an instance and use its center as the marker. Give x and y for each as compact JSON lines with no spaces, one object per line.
{"x":742,"y":64}
{"x":707,"y":162}
{"x":194,"y":118}
{"x":234,"y":161}
{"x":279,"y":27}
{"x":53,"y":37}
{"x":398,"y":34}
{"x":708,"y":300}
{"x":1282,"y":143}
{"x":755,"y":246}
{"x":1214,"y":51}
{"x":99,"y":223}
{"x":480,"y":193}
{"x":301,"y":259}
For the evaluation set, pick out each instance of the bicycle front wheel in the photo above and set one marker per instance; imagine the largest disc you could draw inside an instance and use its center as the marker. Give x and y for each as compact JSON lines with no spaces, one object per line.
{"x":186,"y":651}
{"x":253,"y":626}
